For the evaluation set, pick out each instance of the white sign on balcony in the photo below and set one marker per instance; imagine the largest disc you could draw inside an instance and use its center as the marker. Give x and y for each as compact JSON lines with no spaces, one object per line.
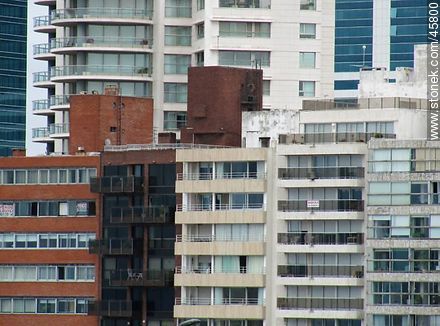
{"x":313,"y":204}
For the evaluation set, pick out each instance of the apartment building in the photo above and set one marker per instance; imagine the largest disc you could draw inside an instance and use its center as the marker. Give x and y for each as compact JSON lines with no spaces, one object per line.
{"x":402,"y":246}
{"x":47,"y":218}
{"x":375,"y":34}
{"x":222,"y":265}
{"x":145,"y":47}
{"x":13,"y":54}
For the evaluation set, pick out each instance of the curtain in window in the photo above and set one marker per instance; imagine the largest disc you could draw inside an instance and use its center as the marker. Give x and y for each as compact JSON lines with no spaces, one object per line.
{"x":255,"y":264}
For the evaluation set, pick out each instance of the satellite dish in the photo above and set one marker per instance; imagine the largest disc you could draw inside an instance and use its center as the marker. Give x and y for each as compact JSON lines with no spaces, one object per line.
{"x":107,"y":142}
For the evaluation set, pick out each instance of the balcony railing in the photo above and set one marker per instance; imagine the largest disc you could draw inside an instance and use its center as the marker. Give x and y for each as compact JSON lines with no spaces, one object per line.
{"x":130,"y":277}
{"x":222,"y":207}
{"x":219,"y":301}
{"x":320,"y":271}
{"x":161,"y":243}
{"x":116,"y":184}
{"x":110,"y":308}
{"x":40,"y":105}
{"x":349,"y":137}
{"x":100,"y":41}
{"x":99,"y":70}
{"x":320,"y":303}
{"x":40,"y":132}
{"x":403,"y":266}
{"x":321,"y":173}
{"x":219,"y":238}
{"x":56,"y":100}
{"x":42,"y":48}
{"x":142,"y":215}
{"x":41,"y":21}
{"x":58,"y":128}
{"x":218,"y":270}
{"x":121,"y":13}
{"x":312,"y":238}
{"x":341,"y":205}
{"x":41,"y":76}
{"x":115,"y":246}
{"x":211,"y":176}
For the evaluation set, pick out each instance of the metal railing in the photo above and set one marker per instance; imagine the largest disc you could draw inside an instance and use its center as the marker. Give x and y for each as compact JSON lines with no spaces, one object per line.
{"x":218,"y":270}
{"x":58,"y":128}
{"x":116,"y":184}
{"x":55,"y":100}
{"x":42,"y":48}
{"x":219,"y":238}
{"x":151,"y":214}
{"x":341,"y":205}
{"x":367,"y":103}
{"x":172,"y":146}
{"x":40,"y":105}
{"x":320,"y":303}
{"x":212,"y":176}
{"x":101,"y":41}
{"x":345,"y":137}
{"x":218,"y":207}
{"x":110,"y":308}
{"x":314,"y":238}
{"x":244,"y":34}
{"x":219,"y":301}
{"x":114,"y":246}
{"x":341,"y":172}
{"x":40,"y":21}
{"x":84,"y":70}
{"x":320,"y":271}
{"x":74,"y":13}
{"x":40,"y":132}
{"x":41,"y":76}
{"x":130,"y":277}
{"x":403,"y":266}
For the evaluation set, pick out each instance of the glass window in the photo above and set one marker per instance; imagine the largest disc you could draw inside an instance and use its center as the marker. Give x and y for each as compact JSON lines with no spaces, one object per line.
{"x":174,"y":120}
{"x":178,"y":8}
{"x":244,"y":58}
{"x":307,"y":5}
{"x":178,"y":35}
{"x":177,"y":64}
{"x":266,"y":87}
{"x":175,"y":92}
{"x":307,"y":31}
{"x":307,"y":88}
{"x":200,"y":30}
{"x":200,"y":4}
{"x":307,"y":60}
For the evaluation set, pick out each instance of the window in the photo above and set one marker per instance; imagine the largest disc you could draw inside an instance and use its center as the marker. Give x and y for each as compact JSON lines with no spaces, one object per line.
{"x":42,"y":176}
{"x":238,"y":29}
{"x":178,"y":8}
{"x":51,"y":240}
{"x":174,"y":120}
{"x":307,"y":60}
{"x":177,"y":64}
{"x":200,"y":58}
{"x":175,"y":92}
{"x":178,"y":35}
{"x":307,"y":5}
{"x":307,"y":31}
{"x":200,"y":4}
{"x":200,"y":30}
{"x":307,"y":88}
{"x":266,"y":87}
{"x":244,"y":58}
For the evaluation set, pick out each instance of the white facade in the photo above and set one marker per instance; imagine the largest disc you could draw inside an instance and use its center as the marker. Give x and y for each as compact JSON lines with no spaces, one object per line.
{"x":145,"y":46}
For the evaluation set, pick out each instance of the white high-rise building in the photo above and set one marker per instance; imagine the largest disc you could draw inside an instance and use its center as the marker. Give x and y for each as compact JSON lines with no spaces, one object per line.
{"x":145,"y":46}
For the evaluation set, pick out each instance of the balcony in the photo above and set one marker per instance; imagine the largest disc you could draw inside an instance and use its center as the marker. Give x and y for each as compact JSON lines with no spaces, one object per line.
{"x":117,"y":184}
{"x":59,"y":102}
{"x":217,"y":238}
{"x":142,"y":215}
{"x":110,"y":308}
{"x":99,"y":72}
{"x":318,"y":138}
{"x":115,"y":246}
{"x":43,"y":24}
{"x":211,"y":176}
{"x":313,"y":238}
{"x":40,"y":134}
{"x":320,"y":271}
{"x":320,"y":303}
{"x":62,"y":16}
{"x":42,"y":51}
{"x":41,"y":107}
{"x":148,"y":278}
{"x":218,"y":207}
{"x":64,"y":44}
{"x":321,"y":173}
{"x":42,"y":79}
{"x":59,"y":130}
{"x":220,"y":301}
{"x":342,"y":205}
